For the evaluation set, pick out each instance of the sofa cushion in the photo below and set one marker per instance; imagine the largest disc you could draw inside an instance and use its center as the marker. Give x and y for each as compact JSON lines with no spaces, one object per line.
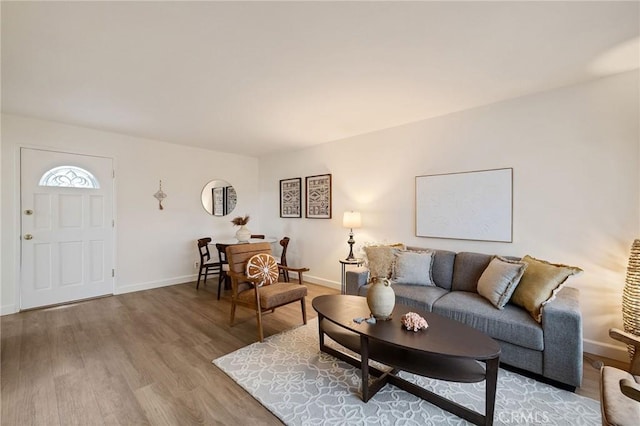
{"x":442,"y":268}
{"x":511,"y":324}
{"x":421,"y":297}
{"x":540,"y":283}
{"x":467,"y":269}
{"x":498,"y":282}
{"x":413,"y":267}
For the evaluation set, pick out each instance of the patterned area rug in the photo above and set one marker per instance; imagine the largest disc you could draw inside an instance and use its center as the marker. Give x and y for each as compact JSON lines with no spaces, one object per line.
{"x":302,"y":386}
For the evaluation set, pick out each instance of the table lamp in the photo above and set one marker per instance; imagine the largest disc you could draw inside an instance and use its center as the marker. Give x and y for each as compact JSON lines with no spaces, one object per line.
{"x":351,"y":220}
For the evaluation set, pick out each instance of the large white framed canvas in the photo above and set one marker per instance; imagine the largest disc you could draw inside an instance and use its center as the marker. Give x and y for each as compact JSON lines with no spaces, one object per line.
{"x":474,"y":205}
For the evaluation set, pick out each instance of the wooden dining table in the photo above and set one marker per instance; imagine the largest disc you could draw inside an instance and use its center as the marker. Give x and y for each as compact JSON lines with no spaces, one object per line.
{"x":232,"y":241}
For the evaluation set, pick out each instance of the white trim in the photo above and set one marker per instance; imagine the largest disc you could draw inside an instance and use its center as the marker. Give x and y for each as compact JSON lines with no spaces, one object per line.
{"x":8,"y":309}
{"x":149,"y":285}
{"x":323,"y":282}
{"x":607,"y":350}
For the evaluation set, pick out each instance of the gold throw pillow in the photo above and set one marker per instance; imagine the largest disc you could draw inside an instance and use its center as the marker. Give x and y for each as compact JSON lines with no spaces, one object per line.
{"x":540,"y":283}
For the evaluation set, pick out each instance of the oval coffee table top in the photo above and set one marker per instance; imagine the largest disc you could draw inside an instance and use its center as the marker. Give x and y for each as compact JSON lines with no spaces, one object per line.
{"x":444,"y":336}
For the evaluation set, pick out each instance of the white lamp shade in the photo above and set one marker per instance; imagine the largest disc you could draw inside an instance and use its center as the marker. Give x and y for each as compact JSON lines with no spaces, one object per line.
{"x":351,"y":220}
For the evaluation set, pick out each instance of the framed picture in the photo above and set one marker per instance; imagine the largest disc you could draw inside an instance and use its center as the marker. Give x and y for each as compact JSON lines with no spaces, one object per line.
{"x":318,"y":196}
{"x":291,"y":197}
{"x":474,"y":205}
{"x":231,"y":198}
{"x":218,"y":199}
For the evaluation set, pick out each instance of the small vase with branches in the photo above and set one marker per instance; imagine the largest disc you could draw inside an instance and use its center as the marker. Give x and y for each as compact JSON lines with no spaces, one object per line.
{"x":243,"y":234}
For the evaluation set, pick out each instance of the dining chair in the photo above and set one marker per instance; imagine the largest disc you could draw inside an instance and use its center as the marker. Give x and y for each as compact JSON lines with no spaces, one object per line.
{"x":206,"y":265}
{"x":255,"y":282}
{"x":224,"y":266}
{"x":283,"y":258}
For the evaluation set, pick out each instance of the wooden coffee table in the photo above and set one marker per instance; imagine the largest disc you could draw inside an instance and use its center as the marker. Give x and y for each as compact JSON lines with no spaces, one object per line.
{"x":446,"y":350}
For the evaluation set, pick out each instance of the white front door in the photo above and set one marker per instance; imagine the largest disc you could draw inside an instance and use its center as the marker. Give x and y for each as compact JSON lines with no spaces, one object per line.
{"x":67,"y":227}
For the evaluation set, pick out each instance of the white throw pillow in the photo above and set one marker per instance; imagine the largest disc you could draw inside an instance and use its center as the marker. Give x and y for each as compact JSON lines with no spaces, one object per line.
{"x":498,"y":282}
{"x":414,"y":267}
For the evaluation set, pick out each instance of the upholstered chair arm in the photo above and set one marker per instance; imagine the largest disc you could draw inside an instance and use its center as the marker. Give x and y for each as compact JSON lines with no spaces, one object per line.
{"x":630,"y":389}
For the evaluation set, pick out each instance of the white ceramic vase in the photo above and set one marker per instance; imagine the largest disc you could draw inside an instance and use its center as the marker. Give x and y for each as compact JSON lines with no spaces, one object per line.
{"x":381,"y":299}
{"x":243,"y":234}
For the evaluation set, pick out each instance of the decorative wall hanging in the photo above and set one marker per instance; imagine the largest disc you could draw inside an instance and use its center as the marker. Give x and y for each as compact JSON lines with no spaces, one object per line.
{"x":467,"y":206}
{"x":291,"y":197}
{"x":160,"y":195}
{"x":318,"y":196}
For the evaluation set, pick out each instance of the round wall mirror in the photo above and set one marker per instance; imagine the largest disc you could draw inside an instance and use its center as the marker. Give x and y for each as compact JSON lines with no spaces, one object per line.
{"x":219,"y":198}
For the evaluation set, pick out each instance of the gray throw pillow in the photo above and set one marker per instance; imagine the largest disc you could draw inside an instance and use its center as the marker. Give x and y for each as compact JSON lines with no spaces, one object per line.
{"x":498,"y":282}
{"x":414,"y":267}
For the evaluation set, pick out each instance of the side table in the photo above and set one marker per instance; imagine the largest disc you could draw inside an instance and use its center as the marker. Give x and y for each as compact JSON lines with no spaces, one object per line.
{"x":344,"y":263}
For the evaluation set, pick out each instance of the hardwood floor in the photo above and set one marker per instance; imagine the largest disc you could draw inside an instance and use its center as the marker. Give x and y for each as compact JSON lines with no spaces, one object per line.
{"x":140,"y":358}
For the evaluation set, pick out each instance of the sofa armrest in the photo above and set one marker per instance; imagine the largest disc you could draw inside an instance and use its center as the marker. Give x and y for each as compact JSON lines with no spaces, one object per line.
{"x":355,"y":279}
{"x":562,"y":330}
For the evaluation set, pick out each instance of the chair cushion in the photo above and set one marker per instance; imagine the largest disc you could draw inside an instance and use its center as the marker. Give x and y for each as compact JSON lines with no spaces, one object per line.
{"x":274,"y":295}
{"x":421,"y":297}
{"x":511,"y":324}
{"x":617,"y":409}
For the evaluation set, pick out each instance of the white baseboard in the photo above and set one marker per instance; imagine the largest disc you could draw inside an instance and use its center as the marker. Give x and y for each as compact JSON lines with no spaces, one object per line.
{"x":322,"y":282}
{"x":8,"y":309}
{"x":607,"y":350}
{"x":154,"y":284}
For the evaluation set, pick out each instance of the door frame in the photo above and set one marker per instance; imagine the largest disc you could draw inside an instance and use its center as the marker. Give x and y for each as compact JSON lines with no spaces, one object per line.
{"x":18,"y":214}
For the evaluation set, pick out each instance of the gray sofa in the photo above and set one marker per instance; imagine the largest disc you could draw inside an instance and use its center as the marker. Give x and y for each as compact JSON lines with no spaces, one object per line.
{"x":551,"y":349}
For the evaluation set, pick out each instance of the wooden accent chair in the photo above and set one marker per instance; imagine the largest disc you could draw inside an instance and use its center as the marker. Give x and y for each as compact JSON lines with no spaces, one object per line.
{"x":283,"y":258}
{"x":258,"y":293}
{"x":619,"y":389}
{"x":207,"y":266}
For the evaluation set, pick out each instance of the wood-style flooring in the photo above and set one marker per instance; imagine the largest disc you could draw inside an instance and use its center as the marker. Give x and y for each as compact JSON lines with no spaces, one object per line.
{"x":140,"y":358}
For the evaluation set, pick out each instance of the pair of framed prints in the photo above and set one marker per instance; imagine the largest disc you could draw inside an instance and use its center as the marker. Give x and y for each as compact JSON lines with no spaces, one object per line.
{"x":317,"y":197}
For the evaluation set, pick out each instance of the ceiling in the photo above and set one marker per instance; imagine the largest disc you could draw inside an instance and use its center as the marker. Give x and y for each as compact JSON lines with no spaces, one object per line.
{"x":256,"y":78}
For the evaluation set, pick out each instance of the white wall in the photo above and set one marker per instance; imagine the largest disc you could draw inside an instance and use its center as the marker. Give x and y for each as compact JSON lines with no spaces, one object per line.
{"x":575,"y":155}
{"x":153,"y":247}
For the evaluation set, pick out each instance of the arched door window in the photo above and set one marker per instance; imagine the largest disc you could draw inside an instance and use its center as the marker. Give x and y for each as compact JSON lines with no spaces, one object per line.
{"x":69,"y":177}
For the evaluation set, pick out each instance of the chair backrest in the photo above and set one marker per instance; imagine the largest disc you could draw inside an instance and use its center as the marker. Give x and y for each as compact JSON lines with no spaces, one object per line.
{"x":222,"y":253}
{"x":239,"y":254}
{"x":203,"y":248}
{"x":283,"y":257}
{"x":258,"y":236}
